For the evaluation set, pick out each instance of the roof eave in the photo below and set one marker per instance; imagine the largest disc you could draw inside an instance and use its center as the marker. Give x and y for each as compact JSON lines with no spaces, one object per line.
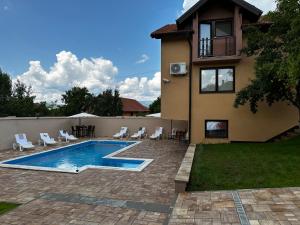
{"x":190,"y":12}
{"x":182,"y":33}
{"x":254,"y":10}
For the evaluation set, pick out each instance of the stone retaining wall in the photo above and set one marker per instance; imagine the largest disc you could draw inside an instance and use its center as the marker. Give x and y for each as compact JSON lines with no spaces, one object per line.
{"x":183,"y":176}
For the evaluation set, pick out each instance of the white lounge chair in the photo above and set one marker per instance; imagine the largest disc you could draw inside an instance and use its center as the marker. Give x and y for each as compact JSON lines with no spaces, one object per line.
{"x":158,"y":134}
{"x":66,"y":136}
{"x":22,"y":142}
{"x":122,"y":134}
{"x":47,"y":140}
{"x":140,"y":134}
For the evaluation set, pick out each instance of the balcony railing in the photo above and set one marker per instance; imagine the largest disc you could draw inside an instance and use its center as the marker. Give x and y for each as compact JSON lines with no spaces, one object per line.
{"x":220,"y":46}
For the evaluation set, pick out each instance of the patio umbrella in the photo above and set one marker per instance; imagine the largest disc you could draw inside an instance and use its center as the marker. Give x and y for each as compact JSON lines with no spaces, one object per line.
{"x":156,"y":115}
{"x":83,"y":115}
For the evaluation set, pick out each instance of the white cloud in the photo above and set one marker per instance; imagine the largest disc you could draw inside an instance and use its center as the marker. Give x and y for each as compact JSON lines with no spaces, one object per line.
{"x":97,"y":74}
{"x":187,"y":4}
{"x":265,"y":5}
{"x":141,"y":88}
{"x":144,"y":58}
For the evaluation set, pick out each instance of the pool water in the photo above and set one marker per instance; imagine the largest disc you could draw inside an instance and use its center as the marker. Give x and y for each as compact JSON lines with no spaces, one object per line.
{"x":75,"y":158}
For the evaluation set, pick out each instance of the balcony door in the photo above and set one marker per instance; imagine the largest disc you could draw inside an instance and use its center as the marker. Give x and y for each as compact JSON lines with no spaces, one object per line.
{"x":205,"y":39}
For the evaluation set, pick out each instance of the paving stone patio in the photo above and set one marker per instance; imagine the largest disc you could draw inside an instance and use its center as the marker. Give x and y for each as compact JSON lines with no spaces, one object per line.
{"x":262,"y":207}
{"x":108,"y":197}
{"x":92,"y":196}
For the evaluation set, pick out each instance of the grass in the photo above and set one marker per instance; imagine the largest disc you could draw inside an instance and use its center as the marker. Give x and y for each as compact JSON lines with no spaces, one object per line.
{"x":5,"y":207}
{"x":246,"y":165}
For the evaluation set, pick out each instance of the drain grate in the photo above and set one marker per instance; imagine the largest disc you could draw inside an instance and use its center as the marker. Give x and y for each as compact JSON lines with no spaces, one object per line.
{"x":240,"y":209}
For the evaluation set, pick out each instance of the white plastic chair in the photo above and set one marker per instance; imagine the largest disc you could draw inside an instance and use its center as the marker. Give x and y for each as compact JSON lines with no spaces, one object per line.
{"x":47,"y":140}
{"x":22,"y":142}
{"x":173,"y":133}
{"x":122,"y":133}
{"x":66,"y":136}
{"x":157,"y":134}
{"x":140,"y":134}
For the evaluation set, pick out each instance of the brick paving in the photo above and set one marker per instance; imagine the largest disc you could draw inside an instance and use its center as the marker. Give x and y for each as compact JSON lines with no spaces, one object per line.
{"x":109,"y":197}
{"x":155,"y":184}
{"x":262,"y":207}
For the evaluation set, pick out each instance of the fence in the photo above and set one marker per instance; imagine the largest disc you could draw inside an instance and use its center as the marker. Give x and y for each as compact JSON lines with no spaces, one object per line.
{"x":105,"y":126}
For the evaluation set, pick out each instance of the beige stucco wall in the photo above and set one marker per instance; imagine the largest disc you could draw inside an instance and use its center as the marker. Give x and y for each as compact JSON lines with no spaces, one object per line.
{"x":32,"y":127}
{"x":175,"y":95}
{"x":243,"y":125}
{"x":105,"y":126}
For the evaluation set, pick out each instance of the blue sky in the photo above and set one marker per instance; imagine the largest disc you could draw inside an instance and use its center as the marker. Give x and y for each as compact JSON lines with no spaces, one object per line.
{"x":116,"y":33}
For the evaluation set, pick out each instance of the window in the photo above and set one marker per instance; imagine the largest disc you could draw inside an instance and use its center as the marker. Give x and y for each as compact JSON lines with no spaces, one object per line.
{"x":217,"y":80}
{"x":216,"y":129}
{"x":225,"y":80}
{"x":208,"y":81}
{"x":223,"y":28}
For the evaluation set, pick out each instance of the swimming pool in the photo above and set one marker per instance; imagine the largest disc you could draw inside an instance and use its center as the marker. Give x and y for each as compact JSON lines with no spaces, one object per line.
{"x":78,"y":157}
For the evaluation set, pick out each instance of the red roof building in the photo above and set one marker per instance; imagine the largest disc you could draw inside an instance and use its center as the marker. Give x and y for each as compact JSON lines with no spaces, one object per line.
{"x":132,"y":107}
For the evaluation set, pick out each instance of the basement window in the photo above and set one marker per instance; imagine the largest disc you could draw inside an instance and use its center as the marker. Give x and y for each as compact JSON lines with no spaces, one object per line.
{"x":216,"y":129}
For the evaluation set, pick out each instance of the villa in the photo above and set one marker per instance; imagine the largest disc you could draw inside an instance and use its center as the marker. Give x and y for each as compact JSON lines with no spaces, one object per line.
{"x":191,"y":164}
{"x":203,"y":68}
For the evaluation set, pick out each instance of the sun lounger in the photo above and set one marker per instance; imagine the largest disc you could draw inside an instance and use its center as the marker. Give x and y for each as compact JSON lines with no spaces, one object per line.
{"x":47,"y":140}
{"x":158,"y":134}
{"x":66,"y":136}
{"x":140,"y":134}
{"x":122,"y":134}
{"x":22,"y":142}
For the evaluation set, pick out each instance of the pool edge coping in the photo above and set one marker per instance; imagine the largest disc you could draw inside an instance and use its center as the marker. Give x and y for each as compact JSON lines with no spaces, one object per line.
{"x":81,"y":169}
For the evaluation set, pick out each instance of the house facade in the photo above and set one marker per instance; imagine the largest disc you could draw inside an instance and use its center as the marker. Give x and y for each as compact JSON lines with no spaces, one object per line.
{"x":203,"y":68}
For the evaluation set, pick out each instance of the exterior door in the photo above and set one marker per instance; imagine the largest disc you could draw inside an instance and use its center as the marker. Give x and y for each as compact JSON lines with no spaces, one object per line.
{"x":205,"y":40}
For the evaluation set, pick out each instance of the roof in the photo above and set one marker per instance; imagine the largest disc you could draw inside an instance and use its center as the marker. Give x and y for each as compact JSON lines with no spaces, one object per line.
{"x":243,"y":4}
{"x":169,"y":29}
{"x":132,"y":105}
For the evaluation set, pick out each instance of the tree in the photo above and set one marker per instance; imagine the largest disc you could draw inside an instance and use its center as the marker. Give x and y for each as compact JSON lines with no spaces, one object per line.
{"x":21,"y":91}
{"x":5,"y":92}
{"x":77,"y":100}
{"x":21,"y":103}
{"x":155,"y":106}
{"x":117,"y":104}
{"x":277,"y":53}
{"x":41,"y":109}
{"x":108,"y":104}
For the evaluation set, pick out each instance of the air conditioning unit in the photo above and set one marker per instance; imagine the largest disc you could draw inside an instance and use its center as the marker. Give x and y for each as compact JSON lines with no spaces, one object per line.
{"x":178,"y":69}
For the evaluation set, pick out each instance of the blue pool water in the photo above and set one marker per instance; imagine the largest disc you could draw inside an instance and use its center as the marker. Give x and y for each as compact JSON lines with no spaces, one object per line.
{"x":73,"y":158}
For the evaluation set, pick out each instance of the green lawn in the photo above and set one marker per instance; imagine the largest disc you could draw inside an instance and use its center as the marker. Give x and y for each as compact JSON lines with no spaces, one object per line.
{"x":245,"y":165}
{"x":5,"y":207}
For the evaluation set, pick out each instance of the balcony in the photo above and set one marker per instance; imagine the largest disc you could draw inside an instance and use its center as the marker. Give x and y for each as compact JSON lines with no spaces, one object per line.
{"x":217,"y":49}
{"x":225,"y":46}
